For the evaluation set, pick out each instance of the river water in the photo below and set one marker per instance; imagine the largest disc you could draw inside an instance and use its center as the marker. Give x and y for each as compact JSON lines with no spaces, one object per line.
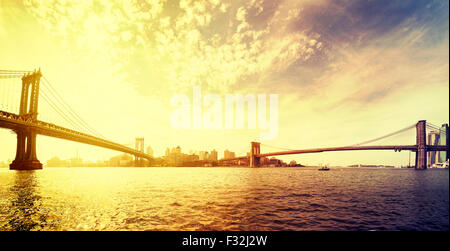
{"x":224,"y":199}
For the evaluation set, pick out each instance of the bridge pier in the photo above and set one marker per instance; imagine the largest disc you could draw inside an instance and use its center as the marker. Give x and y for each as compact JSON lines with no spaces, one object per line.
{"x":26,"y":152}
{"x":421,"y":142}
{"x":254,"y":154}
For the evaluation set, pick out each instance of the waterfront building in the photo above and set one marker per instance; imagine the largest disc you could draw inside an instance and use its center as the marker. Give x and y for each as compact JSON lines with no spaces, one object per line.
{"x":443,"y":141}
{"x":228,"y":155}
{"x":121,"y":160}
{"x":203,"y":155}
{"x":56,"y":162}
{"x":213,"y":156}
{"x":433,"y":139}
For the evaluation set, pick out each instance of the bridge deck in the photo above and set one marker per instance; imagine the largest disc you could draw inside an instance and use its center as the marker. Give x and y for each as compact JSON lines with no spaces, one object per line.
{"x":345,"y":148}
{"x":13,"y":121}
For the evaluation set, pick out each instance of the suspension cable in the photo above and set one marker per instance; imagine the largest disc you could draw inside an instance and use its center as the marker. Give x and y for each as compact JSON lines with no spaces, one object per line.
{"x":431,"y":124}
{"x":71,"y":111}
{"x":276,"y":147}
{"x":362,"y":143}
{"x":74,"y":121}
{"x":385,"y":136}
{"x":59,"y":112}
{"x":52,"y":97}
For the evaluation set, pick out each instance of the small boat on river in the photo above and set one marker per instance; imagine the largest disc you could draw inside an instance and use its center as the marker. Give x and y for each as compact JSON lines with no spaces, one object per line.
{"x":324,"y":168}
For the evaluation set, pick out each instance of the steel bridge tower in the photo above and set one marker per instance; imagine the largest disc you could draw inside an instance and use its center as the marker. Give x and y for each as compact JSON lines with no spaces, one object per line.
{"x":26,"y":158}
{"x":254,"y":154}
{"x":139,"y":161}
{"x":421,"y":142}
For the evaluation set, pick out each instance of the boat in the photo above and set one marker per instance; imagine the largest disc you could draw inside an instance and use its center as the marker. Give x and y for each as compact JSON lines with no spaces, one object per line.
{"x":324,"y":168}
{"x":440,"y":165}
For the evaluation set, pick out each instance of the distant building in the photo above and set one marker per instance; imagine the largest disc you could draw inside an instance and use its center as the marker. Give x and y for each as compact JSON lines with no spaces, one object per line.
{"x":213,"y":156}
{"x":150,"y":151}
{"x":203,"y":155}
{"x":275,"y":162}
{"x":56,"y":162}
{"x":76,"y":162}
{"x":167,"y":152}
{"x":228,"y":155}
{"x":433,"y":139}
{"x":443,"y":141}
{"x":175,"y":157}
{"x":121,"y":160}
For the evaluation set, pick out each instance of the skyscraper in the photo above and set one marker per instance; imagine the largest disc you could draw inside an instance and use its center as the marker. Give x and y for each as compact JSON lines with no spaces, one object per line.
{"x":213,"y":155}
{"x":443,"y":156}
{"x":433,"y":139}
{"x":203,"y":155}
{"x":228,"y":155}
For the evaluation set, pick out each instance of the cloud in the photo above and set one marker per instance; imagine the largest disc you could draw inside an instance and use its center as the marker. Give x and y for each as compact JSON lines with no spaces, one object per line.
{"x":356,"y":22}
{"x":165,"y":46}
{"x":181,"y":41}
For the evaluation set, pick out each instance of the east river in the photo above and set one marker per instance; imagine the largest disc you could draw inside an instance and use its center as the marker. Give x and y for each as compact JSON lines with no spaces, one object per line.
{"x":177,"y":198}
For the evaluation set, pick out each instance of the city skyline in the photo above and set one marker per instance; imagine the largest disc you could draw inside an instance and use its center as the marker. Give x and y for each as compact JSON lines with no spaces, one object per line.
{"x":434,"y":138}
{"x":362,"y":78}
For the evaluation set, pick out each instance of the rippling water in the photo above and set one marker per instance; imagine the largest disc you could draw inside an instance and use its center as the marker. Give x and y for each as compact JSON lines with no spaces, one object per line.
{"x":224,"y":199}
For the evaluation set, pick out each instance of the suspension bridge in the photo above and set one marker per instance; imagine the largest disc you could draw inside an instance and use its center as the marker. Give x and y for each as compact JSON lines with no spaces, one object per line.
{"x":421,"y":148}
{"x":21,"y":116}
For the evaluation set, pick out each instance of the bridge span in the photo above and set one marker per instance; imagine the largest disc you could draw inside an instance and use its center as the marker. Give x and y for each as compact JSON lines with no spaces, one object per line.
{"x":17,"y":123}
{"x":26,"y":125}
{"x":354,"y":148}
{"x":421,"y":149}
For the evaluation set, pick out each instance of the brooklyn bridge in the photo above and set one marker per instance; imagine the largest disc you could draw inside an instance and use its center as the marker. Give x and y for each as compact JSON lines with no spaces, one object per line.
{"x":23,"y":120}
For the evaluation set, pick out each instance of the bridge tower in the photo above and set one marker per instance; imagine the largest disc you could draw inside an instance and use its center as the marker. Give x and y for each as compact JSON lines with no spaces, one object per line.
{"x":26,"y":158}
{"x":444,"y":141}
{"x":421,"y":142}
{"x":254,"y":154}
{"x":140,"y":147}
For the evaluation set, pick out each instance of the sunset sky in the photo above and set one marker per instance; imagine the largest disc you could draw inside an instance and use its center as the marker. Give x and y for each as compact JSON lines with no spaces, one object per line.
{"x":345,"y":71}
